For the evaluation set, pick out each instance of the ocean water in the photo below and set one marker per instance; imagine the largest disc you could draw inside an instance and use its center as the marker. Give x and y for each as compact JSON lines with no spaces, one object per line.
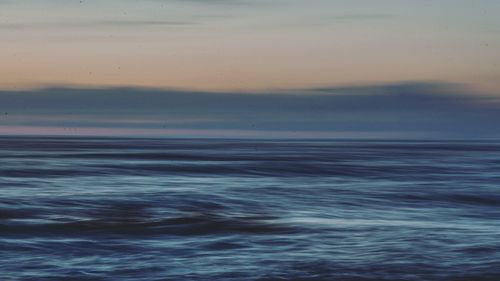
{"x":179,"y":209}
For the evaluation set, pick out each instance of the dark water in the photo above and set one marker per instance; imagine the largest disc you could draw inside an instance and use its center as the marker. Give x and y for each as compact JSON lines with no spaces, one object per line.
{"x":130,"y":209}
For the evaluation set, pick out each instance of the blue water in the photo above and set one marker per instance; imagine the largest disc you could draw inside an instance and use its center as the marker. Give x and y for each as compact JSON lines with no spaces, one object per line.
{"x":146,"y":209}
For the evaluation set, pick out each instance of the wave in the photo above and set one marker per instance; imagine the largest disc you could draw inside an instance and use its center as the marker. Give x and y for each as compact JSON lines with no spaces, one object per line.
{"x":196,"y":224}
{"x":258,"y":168}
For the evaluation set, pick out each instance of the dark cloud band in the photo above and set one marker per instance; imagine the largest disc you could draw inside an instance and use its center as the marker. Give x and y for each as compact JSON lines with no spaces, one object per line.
{"x":440,"y":110}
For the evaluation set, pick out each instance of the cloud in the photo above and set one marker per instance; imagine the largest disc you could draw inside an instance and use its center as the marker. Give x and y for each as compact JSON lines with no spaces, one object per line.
{"x":356,"y":17}
{"x":134,"y":23}
{"x":335,"y":19}
{"x":211,"y":2}
{"x":405,"y":110}
{"x":96,"y":23}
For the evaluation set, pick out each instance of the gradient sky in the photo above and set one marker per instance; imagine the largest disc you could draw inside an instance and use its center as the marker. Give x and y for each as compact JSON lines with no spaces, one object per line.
{"x":248,"y":44}
{"x":251,"y":68}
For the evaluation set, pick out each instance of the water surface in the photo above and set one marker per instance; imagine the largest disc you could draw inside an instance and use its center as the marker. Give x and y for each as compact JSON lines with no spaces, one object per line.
{"x":158,"y":209}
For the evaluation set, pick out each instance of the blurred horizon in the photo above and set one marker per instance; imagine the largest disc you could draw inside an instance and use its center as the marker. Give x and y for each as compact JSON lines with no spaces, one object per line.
{"x":417,"y":110}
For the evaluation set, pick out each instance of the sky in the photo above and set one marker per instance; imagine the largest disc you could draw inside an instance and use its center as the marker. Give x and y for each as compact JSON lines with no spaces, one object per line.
{"x":248,"y":44}
{"x":189,"y":50}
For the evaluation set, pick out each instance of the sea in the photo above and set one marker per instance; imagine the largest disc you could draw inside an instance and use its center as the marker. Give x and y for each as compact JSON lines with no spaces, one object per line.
{"x":85,"y":208}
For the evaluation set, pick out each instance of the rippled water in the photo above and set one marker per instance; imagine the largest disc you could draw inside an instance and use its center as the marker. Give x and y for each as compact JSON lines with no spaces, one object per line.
{"x":132,"y":209}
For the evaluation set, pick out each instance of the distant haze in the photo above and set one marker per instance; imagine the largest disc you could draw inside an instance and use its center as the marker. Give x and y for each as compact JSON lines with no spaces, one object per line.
{"x":407,"y":111}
